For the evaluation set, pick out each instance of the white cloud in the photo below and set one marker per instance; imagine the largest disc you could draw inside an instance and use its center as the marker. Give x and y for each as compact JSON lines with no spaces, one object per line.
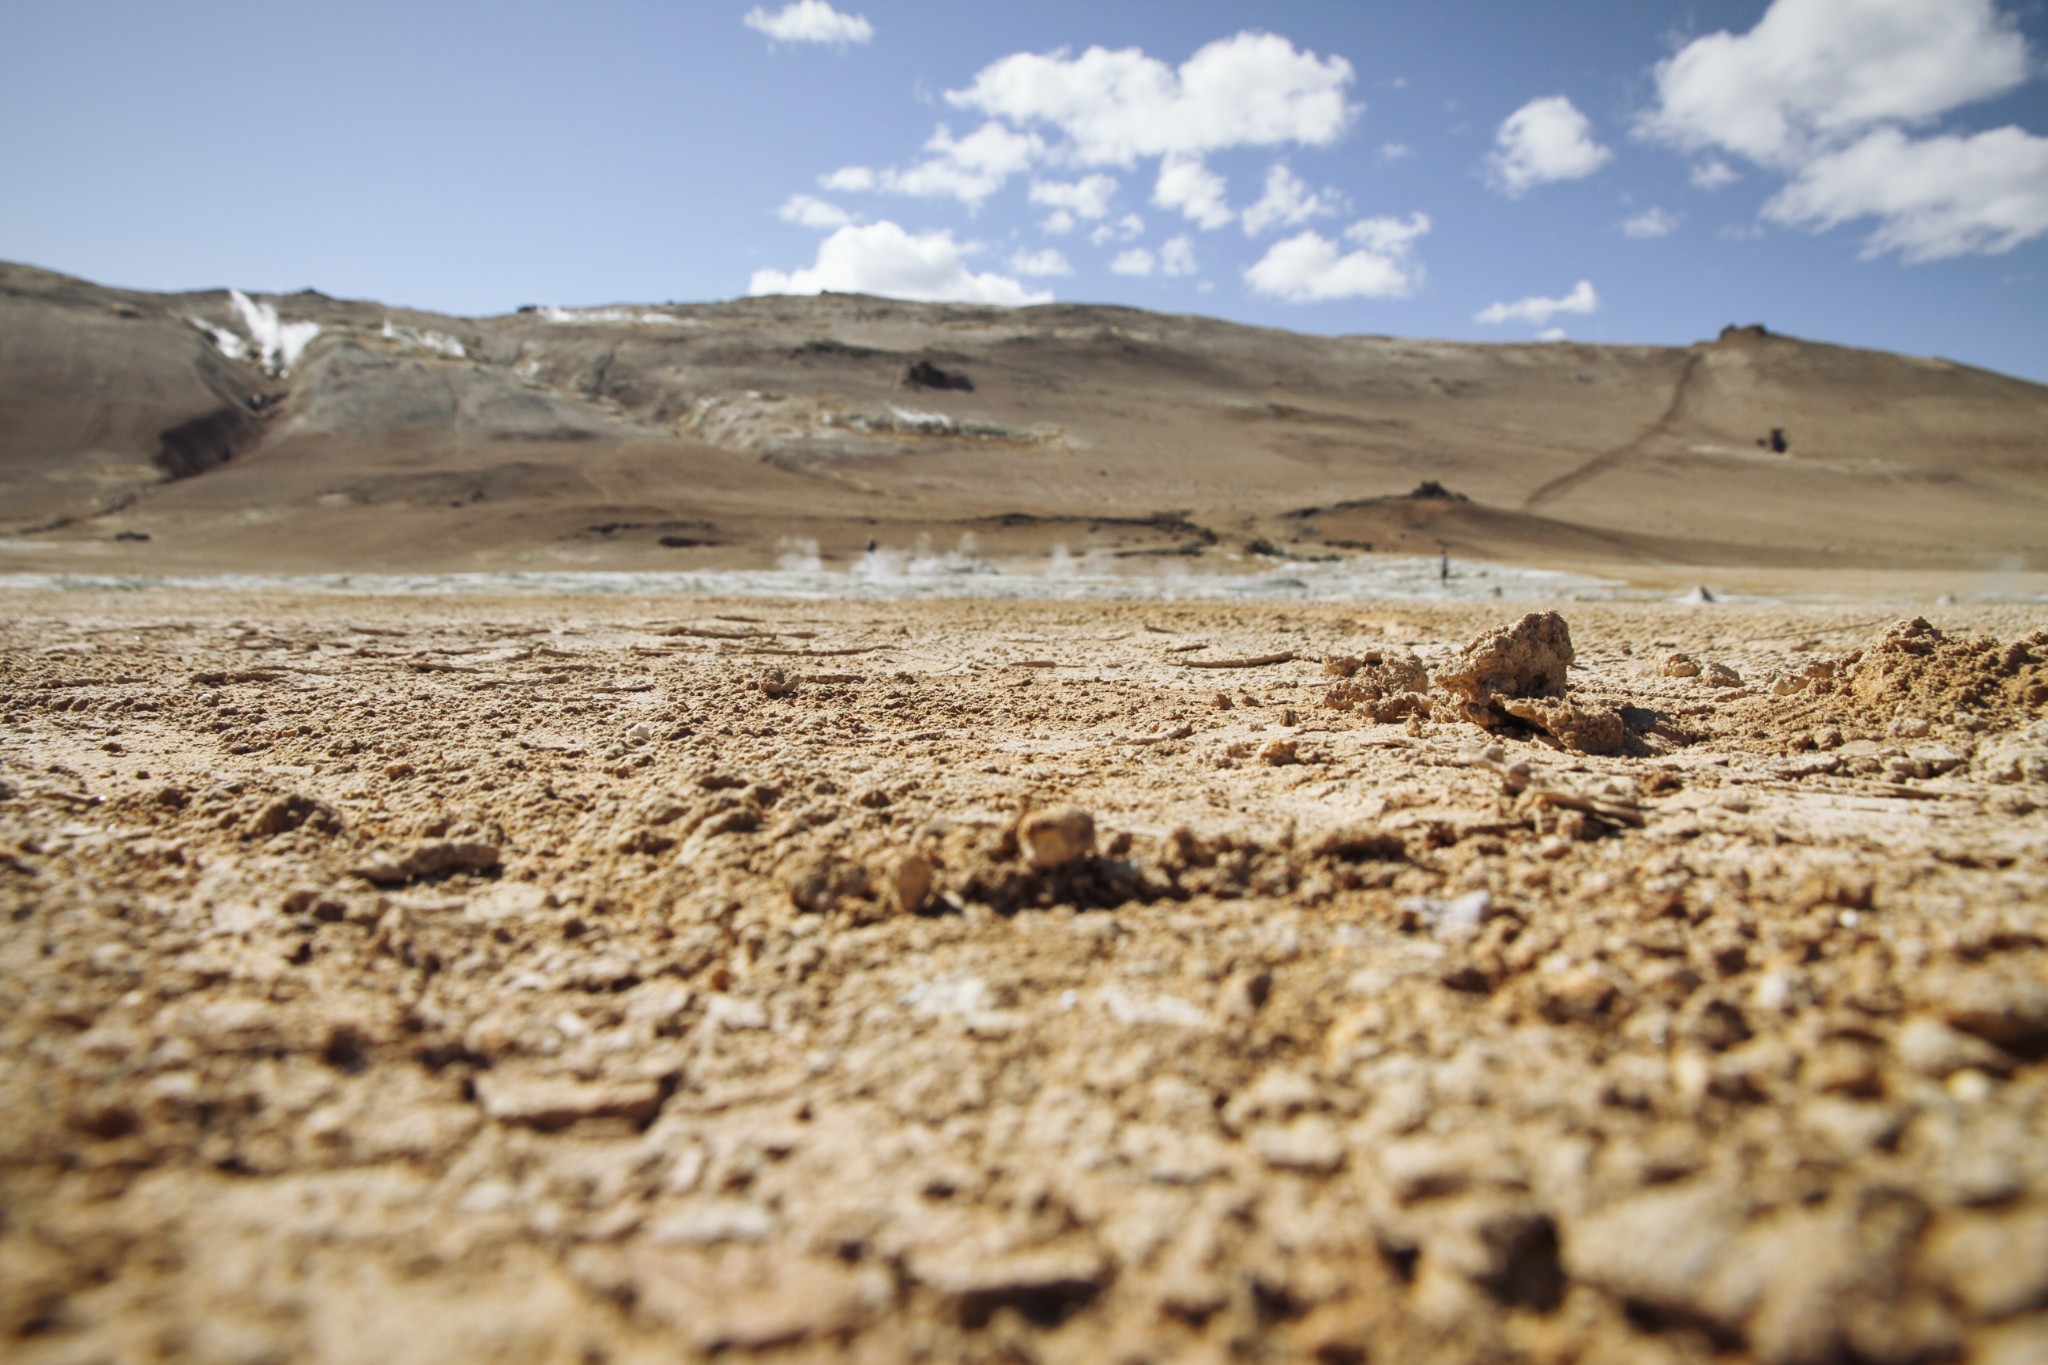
{"x":1651,"y":222}
{"x":1544,"y":140}
{"x":1815,"y":71}
{"x":1553,"y":334}
{"x":1394,"y":151}
{"x":848,"y":180}
{"x":969,"y":169}
{"x":1822,"y":91}
{"x":1310,"y":268}
{"x":1714,"y":174}
{"x":1250,"y":90}
{"x":810,"y":21}
{"x":1177,"y":257}
{"x":1538,"y":310}
{"x":1198,"y":192}
{"x":1087,"y":197}
{"x":1287,"y":202}
{"x":807,"y":210}
{"x":1122,"y":230}
{"x":1059,"y":223}
{"x":881,"y":258}
{"x":1136,"y":261}
{"x":1389,"y":236}
{"x":1934,"y":197}
{"x":1048,"y":261}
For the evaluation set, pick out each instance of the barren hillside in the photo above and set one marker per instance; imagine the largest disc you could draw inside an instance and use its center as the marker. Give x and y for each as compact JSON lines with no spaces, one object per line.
{"x":195,"y":431}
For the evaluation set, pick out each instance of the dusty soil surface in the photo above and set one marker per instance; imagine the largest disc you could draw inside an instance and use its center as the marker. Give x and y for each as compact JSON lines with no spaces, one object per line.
{"x":616,"y":980}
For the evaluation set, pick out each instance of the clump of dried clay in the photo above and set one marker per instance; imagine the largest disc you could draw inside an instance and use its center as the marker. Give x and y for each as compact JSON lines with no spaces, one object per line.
{"x":1518,"y":672}
{"x":1380,"y":687}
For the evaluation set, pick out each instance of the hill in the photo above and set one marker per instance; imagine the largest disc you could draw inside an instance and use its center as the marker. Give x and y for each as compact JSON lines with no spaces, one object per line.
{"x":208,"y":431}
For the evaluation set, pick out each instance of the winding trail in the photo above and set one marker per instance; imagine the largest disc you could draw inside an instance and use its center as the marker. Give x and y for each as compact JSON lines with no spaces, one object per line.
{"x":1609,"y":459}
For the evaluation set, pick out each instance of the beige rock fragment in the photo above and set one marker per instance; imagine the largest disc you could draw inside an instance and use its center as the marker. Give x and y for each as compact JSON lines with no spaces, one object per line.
{"x":1310,"y":1143}
{"x":1657,"y":1248}
{"x":550,"y":1102}
{"x":2000,"y":1006}
{"x":1931,"y":1047}
{"x":908,"y":883}
{"x":1527,"y":659}
{"x":727,"y":1298}
{"x":1057,"y":837}
{"x":819,"y":883}
{"x":1278,"y":753}
{"x":428,"y":861}
{"x":1586,"y":729}
{"x":1995,"y":1263}
{"x":709,"y":1221}
{"x":1519,"y":671}
{"x":1048,"y":1279}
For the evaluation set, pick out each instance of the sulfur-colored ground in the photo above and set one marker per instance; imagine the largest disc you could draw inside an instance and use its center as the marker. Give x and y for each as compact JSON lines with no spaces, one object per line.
{"x":433,"y":980}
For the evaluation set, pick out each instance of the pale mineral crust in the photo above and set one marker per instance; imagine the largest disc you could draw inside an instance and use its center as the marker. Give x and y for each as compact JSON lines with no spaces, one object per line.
{"x":450,"y":979}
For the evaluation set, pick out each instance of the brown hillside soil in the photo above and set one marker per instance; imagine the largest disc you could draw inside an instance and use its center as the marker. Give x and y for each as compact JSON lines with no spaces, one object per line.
{"x":472,"y":979}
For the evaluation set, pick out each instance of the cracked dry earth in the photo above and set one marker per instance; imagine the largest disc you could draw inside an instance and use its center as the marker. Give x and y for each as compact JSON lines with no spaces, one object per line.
{"x":602,"y":979}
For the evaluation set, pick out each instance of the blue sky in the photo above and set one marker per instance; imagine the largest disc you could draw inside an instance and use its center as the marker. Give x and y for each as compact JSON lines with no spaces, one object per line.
{"x":1870,"y":172}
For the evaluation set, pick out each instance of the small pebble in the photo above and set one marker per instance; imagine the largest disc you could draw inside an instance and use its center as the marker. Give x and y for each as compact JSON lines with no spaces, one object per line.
{"x":1969,"y":1086}
{"x":1054,"y":838}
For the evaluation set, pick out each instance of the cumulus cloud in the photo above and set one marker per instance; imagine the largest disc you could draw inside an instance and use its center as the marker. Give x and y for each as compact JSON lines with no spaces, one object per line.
{"x":1287,"y":202}
{"x":1177,"y":257}
{"x":1048,"y":261}
{"x":1538,"y":310}
{"x":1651,"y":222}
{"x":1933,"y":197}
{"x":848,"y":180}
{"x":1815,"y":71}
{"x":1553,"y":334}
{"x":807,"y":210}
{"x":881,"y":258}
{"x":968,"y":169}
{"x":1087,"y":197}
{"x":1250,"y":90}
{"x":1544,"y":140}
{"x":1122,"y":230}
{"x":1714,"y":174}
{"x":1059,"y":223}
{"x":1137,"y":261}
{"x":1198,"y":192}
{"x":1823,"y":92}
{"x":811,"y":21}
{"x":1311,"y":268}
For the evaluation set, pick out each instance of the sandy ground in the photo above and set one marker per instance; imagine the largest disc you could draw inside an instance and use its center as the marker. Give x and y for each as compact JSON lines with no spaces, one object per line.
{"x":428,"y":980}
